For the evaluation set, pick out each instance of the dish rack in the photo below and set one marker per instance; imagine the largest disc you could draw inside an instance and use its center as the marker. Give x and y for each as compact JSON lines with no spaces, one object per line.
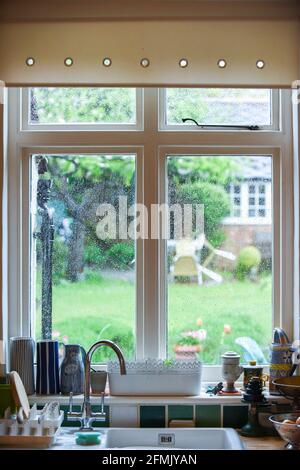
{"x":36,"y":432}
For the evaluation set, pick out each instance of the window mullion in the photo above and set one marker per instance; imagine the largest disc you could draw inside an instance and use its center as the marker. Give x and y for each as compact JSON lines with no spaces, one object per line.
{"x":151,"y":270}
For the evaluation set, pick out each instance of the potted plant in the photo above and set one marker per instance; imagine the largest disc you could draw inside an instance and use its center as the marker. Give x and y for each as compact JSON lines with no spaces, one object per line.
{"x":187,"y":347}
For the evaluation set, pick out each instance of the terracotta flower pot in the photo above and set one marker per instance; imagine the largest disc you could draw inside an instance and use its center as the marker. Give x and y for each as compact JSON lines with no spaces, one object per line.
{"x":186,"y":351}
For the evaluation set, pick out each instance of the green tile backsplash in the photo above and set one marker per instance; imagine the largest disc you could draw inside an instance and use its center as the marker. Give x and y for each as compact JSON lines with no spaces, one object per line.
{"x":234,"y":416}
{"x":152,"y":417}
{"x":208,"y":416}
{"x":180,"y":412}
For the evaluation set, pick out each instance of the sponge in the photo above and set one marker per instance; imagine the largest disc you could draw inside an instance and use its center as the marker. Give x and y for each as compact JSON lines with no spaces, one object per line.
{"x":87,"y":438}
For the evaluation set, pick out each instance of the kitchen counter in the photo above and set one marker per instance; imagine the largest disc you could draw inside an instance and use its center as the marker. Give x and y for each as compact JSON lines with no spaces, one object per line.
{"x":263,"y":443}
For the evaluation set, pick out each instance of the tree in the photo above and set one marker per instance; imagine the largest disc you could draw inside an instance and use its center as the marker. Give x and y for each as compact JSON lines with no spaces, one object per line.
{"x":82,"y":183}
{"x":216,"y":206}
{"x":202,"y":180}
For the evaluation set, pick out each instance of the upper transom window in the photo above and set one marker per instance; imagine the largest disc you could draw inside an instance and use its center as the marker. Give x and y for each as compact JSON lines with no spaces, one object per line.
{"x":244,"y":109}
{"x":95,"y":107}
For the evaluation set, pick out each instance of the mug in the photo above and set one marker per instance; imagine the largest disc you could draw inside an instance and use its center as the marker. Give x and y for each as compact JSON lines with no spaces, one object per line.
{"x":47,"y":374}
{"x":21,"y":352}
{"x":98,"y":381}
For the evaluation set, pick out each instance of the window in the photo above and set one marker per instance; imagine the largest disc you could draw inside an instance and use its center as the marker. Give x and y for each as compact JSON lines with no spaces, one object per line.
{"x":257,"y":200}
{"x":211,"y":107}
{"x":250,"y":195}
{"x":235,"y":199}
{"x":92,"y":276}
{"x":130,"y":288}
{"x":87,"y":108}
{"x":208,"y":280}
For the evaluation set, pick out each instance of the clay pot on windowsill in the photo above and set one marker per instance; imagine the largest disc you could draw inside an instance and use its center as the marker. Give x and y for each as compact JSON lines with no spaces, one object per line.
{"x":186,"y":351}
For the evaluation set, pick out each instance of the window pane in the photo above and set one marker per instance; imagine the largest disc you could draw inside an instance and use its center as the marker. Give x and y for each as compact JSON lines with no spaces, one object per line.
{"x":220,"y":274}
{"x":219,"y":106}
{"x":93,"y":276}
{"x":82,"y":106}
{"x":262,"y":189}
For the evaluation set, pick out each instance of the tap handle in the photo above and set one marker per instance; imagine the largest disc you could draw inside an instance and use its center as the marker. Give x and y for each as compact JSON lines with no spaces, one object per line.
{"x":71,"y":402}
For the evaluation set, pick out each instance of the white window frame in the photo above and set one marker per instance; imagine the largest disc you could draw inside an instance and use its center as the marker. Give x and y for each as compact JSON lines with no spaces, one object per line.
{"x":198,"y":151}
{"x":190,"y":127}
{"x":153,"y":144}
{"x":26,"y":125}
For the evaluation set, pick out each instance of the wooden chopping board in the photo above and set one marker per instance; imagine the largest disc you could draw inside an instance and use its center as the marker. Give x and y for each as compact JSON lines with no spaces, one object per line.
{"x":19,"y":393}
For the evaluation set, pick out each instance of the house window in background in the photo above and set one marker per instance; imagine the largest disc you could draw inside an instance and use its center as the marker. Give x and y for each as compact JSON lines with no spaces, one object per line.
{"x":235,"y":199}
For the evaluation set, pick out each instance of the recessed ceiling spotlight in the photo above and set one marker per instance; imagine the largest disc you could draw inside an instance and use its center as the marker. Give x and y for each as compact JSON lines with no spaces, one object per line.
{"x":107,"y":62}
{"x":260,"y":64}
{"x":68,"y":61}
{"x":30,"y":61}
{"x":222,"y":63}
{"x":145,"y":62}
{"x":183,"y":63}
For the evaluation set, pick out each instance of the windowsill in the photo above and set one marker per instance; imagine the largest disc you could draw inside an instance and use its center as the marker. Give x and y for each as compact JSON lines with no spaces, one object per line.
{"x":203,"y":398}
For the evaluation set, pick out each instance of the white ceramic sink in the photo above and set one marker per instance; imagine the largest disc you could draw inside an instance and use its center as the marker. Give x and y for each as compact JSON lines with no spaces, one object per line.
{"x":172,"y":438}
{"x":156,"y":438}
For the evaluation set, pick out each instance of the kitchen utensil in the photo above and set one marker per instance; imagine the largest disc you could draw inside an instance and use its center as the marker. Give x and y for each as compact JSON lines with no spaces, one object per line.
{"x":72,"y":370}
{"x":289,"y":432}
{"x":290,"y":388}
{"x":21,"y":351}
{"x":47,"y":380}
{"x":19,"y":393}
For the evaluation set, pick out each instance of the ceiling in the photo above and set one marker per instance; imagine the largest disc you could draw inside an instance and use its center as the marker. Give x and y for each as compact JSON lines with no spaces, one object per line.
{"x":33,"y":10}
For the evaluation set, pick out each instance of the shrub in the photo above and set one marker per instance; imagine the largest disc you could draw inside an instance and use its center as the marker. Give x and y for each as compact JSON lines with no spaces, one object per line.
{"x":120,"y":255}
{"x":216,"y":206}
{"x":249,"y":258}
{"x":94,"y":256}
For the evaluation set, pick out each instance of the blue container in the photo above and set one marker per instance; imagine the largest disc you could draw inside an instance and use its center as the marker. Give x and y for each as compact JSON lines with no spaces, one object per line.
{"x":47,"y":375}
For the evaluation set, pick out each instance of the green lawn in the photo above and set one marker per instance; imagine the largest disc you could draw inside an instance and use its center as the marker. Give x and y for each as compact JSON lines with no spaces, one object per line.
{"x":81,"y":310}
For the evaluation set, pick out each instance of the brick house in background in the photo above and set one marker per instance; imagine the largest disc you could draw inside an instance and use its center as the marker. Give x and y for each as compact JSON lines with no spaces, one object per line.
{"x":250,"y":219}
